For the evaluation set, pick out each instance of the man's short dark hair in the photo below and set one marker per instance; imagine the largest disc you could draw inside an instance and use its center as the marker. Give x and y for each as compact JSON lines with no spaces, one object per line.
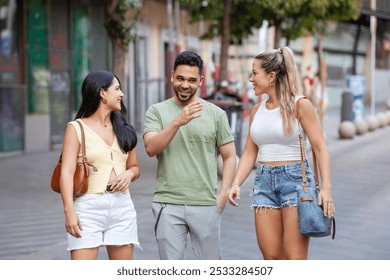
{"x":189,"y":58}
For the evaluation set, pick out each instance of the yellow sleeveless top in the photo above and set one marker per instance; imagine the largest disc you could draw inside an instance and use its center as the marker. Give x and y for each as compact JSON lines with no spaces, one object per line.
{"x":102,"y":156}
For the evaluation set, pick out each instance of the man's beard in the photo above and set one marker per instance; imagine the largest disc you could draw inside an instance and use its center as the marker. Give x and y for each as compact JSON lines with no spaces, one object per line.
{"x":181,"y":98}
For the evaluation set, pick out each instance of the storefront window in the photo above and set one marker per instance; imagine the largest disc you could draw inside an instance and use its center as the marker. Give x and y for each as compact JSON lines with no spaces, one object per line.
{"x":12,"y":92}
{"x":341,"y":37}
{"x":9,"y":43}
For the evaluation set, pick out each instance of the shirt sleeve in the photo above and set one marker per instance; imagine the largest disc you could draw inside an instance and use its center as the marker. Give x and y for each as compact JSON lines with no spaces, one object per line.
{"x":224,"y":132}
{"x":152,"y":120}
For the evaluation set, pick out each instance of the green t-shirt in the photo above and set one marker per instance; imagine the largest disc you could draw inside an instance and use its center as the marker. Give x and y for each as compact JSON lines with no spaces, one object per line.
{"x":187,"y":168}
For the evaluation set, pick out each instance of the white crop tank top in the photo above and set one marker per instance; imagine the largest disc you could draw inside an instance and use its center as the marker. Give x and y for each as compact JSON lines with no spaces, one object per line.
{"x":267,"y":133}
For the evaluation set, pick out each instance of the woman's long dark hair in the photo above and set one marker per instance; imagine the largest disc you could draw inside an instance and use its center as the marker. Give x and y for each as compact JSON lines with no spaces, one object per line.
{"x":90,"y":90}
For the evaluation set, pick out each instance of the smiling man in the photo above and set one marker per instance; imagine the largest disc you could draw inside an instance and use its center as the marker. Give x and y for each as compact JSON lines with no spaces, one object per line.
{"x":185,"y":133}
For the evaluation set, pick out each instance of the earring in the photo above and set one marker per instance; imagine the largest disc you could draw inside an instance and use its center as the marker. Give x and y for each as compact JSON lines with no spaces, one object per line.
{"x":271,"y":83}
{"x":104,"y":101}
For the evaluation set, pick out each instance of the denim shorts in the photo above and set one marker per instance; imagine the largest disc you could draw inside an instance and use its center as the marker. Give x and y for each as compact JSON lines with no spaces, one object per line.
{"x":107,"y":219}
{"x":276,"y":186}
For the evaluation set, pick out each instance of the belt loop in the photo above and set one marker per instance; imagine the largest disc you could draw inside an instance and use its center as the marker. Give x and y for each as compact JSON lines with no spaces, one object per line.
{"x":259,"y":168}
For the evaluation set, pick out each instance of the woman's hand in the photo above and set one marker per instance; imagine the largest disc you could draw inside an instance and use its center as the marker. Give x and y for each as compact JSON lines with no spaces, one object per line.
{"x":73,"y":224}
{"x":325,"y":199}
{"x":233,"y":194}
{"x":123,"y":181}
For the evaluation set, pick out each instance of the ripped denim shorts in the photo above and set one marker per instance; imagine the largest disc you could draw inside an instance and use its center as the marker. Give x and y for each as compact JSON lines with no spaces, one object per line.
{"x":276,"y":186}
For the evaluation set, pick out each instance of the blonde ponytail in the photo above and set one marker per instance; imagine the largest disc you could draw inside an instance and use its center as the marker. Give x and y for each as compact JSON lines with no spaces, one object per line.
{"x":281,"y":61}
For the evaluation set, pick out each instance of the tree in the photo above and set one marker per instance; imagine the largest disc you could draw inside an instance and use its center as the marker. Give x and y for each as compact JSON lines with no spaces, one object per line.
{"x":225,"y":39}
{"x":335,"y":11}
{"x":121,"y":19}
{"x":229,"y":19}
{"x":295,"y":18}
{"x":290,"y":18}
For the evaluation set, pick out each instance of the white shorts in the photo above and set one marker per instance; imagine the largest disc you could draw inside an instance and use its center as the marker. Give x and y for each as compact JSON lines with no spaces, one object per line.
{"x":107,"y":219}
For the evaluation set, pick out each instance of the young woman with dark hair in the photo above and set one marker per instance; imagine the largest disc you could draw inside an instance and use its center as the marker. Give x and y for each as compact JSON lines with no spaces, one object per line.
{"x":105,"y":215}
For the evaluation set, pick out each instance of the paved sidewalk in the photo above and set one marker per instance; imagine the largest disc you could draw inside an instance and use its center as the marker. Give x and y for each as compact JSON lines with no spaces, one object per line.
{"x":32,"y":218}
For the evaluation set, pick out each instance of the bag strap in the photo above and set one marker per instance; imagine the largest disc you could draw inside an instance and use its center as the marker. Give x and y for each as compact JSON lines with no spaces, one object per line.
{"x":83,"y":150}
{"x":302,"y":151}
{"x":315,"y":167}
{"x":83,"y":153}
{"x":84,"y":160}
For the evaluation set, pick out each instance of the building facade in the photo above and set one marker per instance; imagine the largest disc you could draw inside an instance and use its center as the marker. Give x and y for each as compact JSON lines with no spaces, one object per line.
{"x":47,"y":47}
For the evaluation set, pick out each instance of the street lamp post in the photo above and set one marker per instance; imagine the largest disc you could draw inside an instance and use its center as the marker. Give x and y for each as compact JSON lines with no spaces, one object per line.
{"x":373,"y":59}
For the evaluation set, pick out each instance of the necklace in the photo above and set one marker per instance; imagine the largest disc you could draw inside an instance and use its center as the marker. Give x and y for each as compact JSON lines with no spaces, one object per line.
{"x":105,"y":125}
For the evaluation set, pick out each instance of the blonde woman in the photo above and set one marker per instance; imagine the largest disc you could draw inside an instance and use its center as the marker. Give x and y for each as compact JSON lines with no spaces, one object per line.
{"x":273,"y":141}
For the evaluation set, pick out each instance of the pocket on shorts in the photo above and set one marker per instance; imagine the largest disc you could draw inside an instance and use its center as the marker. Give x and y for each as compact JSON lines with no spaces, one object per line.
{"x":294,"y":175}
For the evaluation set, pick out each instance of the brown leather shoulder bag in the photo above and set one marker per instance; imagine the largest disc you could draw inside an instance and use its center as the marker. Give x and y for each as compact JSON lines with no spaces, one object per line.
{"x":80,"y":180}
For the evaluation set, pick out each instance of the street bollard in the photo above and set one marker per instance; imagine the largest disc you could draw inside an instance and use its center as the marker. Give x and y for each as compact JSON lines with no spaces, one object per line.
{"x":388,"y":116}
{"x":361,"y":127}
{"x":373,"y":122}
{"x":382,"y":118}
{"x":346,"y":106}
{"x":347,"y":130}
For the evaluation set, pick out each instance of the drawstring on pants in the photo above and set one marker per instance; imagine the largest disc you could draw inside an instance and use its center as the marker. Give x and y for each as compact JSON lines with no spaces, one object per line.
{"x":162,"y":206}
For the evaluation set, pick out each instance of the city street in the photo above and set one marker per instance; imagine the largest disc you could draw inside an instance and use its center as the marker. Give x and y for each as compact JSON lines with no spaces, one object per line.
{"x":32,"y":219}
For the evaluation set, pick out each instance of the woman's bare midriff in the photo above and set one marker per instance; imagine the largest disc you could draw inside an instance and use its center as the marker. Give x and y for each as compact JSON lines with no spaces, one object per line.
{"x":277,"y":163}
{"x":113,"y":178}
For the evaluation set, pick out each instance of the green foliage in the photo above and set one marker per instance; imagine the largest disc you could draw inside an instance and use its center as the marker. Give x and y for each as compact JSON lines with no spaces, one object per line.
{"x":293,"y":17}
{"x":212,"y":12}
{"x":117,"y":24}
